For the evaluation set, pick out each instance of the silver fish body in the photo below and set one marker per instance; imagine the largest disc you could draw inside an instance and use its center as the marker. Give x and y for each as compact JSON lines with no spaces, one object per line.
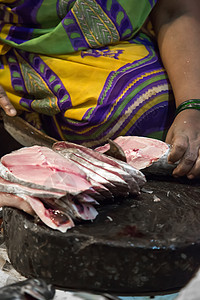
{"x":161,"y":166}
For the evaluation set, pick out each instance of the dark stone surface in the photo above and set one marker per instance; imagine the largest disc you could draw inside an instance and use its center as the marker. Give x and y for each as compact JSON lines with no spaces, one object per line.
{"x":142,"y":246}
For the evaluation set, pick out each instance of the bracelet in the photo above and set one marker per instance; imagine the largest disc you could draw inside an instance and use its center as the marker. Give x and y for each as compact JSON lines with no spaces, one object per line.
{"x":188,"y":104}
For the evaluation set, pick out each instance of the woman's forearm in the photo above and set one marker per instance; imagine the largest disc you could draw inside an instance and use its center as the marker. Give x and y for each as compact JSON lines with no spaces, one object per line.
{"x":177,"y":26}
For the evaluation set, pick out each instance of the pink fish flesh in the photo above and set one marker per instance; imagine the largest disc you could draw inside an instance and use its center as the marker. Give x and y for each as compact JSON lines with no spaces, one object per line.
{"x":73,"y":207}
{"x":64,"y":184}
{"x":15,"y":188}
{"x":54,"y":219}
{"x":133,"y":178}
{"x":143,"y":153}
{"x":56,"y":173}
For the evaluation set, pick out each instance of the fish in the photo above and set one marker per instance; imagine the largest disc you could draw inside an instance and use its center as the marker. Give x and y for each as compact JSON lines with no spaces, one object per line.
{"x":63,"y":185}
{"x":53,"y":216}
{"x":133,"y":177}
{"x":35,"y":289}
{"x":56,"y":173}
{"x":161,"y":166}
{"x":15,"y":188}
{"x":143,"y":153}
{"x":74,"y":208}
{"x":100,"y":172}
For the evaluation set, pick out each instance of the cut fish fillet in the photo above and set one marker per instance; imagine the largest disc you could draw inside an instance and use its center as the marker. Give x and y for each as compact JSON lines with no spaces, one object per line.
{"x":63,"y":184}
{"x":54,"y":219}
{"x":45,"y":169}
{"x":140,"y":152}
{"x":15,"y":188}
{"x":133,"y":178}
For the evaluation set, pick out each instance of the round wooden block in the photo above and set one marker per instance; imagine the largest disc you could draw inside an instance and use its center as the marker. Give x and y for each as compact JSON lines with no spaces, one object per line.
{"x":146,"y":245}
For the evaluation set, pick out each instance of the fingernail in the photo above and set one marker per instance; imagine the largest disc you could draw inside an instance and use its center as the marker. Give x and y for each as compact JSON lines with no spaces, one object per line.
{"x":190,"y":176}
{"x":12,"y":111}
{"x":175,"y":176}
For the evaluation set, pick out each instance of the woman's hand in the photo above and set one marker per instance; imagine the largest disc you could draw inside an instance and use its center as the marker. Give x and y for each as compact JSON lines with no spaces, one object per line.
{"x":184,"y":136}
{"x":5,"y":103}
{"x":15,"y":201}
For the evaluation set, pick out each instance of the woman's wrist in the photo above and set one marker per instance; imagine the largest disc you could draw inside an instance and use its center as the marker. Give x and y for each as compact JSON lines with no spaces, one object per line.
{"x":188,"y":104}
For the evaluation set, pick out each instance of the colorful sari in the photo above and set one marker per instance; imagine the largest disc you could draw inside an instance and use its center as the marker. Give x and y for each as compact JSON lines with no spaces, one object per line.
{"x":83,"y":70}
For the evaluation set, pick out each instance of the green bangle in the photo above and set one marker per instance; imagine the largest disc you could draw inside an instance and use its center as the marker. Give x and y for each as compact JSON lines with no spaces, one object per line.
{"x":188,"y":104}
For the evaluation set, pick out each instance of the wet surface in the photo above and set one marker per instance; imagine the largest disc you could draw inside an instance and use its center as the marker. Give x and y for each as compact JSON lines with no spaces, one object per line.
{"x":135,"y":246}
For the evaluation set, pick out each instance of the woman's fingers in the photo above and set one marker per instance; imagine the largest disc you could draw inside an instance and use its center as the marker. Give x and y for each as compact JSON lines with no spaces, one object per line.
{"x":187,"y":162}
{"x":5,"y":103}
{"x":179,"y":146}
{"x":195,"y":171}
{"x":15,"y":201}
{"x":184,"y":137}
{"x":186,"y":152}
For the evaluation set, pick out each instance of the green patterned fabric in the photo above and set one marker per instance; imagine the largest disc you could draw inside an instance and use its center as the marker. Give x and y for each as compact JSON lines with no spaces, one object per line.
{"x":83,"y":70}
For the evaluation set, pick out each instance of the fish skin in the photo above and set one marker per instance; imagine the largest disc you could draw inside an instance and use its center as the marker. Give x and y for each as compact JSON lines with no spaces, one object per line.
{"x":38,"y":289}
{"x":46,"y":216}
{"x":101,"y":175}
{"x":9,"y":176}
{"x":115,"y":166}
{"x":92,"y":175}
{"x":95,"y":164}
{"x":161,"y":166}
{"x":85,"y":211}
{"x":84,"y":198}
{"x":72,"y":207}
{"x":101,"y":192}
{"x":58,"y":146}
{"x":136,"y":175}
{"x":15,"y":188}
{"x":75,"y":207}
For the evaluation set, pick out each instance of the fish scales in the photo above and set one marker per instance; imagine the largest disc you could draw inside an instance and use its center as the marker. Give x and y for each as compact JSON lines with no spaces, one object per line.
{"x":15,"y":188}
{"x":56,"y":172}
{"x":84,"y":198}
{"x":9,"y":176}
{"x":131,"y":175}
{"x":75,"y":209}
{"x":90,"y":169}
{"x":101,"y":175}
{"x":101,"y":192}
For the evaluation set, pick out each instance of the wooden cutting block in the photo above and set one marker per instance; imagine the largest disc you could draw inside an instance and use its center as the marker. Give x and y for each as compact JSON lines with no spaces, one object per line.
{"x":146,"y":245}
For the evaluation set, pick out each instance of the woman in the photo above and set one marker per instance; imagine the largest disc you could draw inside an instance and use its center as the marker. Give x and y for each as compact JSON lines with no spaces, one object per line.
{"x":91,"y":70}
